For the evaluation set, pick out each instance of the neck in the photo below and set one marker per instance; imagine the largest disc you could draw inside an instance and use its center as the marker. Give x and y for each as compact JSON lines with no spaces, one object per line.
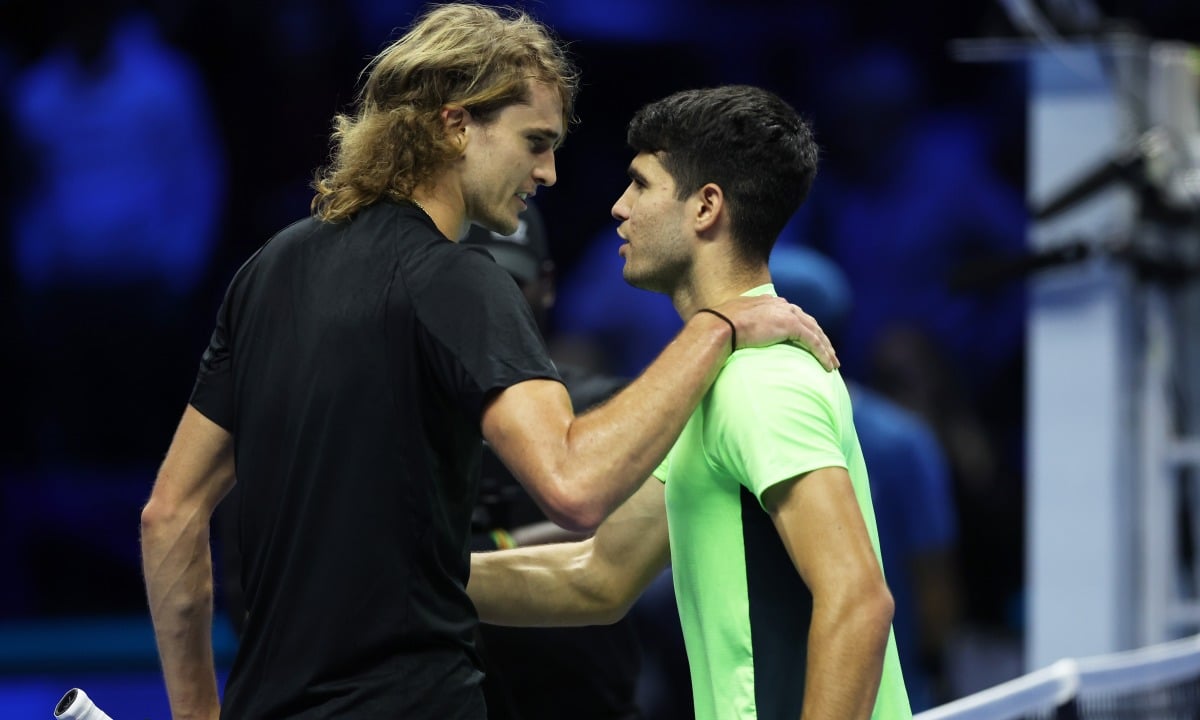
{"x":722,"y":282}
{"x":444,"y":207}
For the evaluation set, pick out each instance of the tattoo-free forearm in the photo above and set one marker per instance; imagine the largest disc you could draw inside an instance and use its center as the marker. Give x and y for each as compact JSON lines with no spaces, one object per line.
{"x":846,"y":646}
{"x":590,"y":582}
{"x":177,"y":563}
{"x":546,"y":585}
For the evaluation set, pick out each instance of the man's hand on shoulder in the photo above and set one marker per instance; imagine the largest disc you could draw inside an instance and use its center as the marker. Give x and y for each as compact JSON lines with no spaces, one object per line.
{"x":766,"y":320}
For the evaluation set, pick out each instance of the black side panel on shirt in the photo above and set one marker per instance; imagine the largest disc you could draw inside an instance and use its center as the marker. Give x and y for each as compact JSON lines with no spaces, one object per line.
{"x":780,"y":615}
{"x":351,"y":361}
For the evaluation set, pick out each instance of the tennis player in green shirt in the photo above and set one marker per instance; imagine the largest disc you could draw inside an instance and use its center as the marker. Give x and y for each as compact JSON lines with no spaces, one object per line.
{"x":763,"y":507}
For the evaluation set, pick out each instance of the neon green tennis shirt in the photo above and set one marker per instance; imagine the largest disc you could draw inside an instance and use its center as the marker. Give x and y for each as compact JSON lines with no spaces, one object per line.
{"x":772,"y":414}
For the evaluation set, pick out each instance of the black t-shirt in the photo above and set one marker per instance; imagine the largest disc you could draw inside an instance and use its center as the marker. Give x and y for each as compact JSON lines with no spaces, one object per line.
{"x":352,"y":362}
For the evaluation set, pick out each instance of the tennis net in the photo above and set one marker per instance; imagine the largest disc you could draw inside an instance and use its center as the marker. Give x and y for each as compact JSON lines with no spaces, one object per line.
{"x":1160,"y":682}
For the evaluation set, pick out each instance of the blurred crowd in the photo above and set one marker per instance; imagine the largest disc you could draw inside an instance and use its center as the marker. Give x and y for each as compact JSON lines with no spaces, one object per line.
{"x":150,"y":147}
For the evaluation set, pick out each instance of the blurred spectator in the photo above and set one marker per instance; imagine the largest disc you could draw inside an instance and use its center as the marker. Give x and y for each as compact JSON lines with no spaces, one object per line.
{"x":127,"y":184}
{"x":112,"y":232}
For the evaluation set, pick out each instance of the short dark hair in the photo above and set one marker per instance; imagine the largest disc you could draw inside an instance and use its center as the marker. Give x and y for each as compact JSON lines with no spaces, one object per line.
{"x":745,"y":139}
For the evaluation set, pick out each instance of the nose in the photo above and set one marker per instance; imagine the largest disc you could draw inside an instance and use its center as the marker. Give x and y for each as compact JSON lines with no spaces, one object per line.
{"x":620,"y":209}
{"x":544,"y":172}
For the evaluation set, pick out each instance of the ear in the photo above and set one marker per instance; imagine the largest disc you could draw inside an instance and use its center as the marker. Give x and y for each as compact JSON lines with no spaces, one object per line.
{"x":710,"y":206}
{"x":455,"y":120}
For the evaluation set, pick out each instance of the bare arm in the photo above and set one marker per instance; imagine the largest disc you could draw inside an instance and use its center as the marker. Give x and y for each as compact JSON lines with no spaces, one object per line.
{"x":590,"y":582}
{"x":579,"y":468}
{"x":822,"y":527}
{"x":177,"y":561}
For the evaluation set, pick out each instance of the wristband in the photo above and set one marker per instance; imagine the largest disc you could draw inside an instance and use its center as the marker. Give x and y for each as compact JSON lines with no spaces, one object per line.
{"x":503,"y":539}
{"x":732,"y":329}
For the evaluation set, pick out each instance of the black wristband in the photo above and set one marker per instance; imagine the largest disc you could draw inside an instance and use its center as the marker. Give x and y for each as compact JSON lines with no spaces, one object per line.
{"x":732,"y":329}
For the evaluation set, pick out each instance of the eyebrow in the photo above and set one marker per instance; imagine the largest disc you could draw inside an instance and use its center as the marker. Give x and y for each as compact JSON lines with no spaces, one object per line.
{"x":550,"y":136}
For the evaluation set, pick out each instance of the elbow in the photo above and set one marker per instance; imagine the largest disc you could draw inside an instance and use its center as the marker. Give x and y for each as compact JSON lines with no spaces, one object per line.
{"x":610,"y":603}
{"x":605,"y":586}
{"x":176,"y":561}
{"x":866,"y":608}
{"x":886,"y":608}
{"x":155,"y":514}
{"x":574,"y":510}
{"x":616,"y":610}
{"x":580,"y":520}
{"x":611,"y":615}
{"x":163,"y":518}
{"x":877,"y":610}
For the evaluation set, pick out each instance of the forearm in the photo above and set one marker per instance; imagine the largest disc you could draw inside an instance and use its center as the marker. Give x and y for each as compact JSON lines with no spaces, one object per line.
{"x":177,"y":563}
{"x":624,"y":439}
{"x":546,"y":585}
{"x":847,"y":641}
{"x":589,"y":582}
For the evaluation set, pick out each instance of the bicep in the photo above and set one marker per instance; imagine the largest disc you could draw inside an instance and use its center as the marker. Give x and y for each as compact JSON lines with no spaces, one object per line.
{"x":819,"y":520}
{"x":526,"y":425}
{"x":199,"y":466}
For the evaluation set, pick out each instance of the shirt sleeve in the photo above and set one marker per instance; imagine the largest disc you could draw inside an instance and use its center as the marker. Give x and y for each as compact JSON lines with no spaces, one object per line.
{"x":212,"y":394}
{"x":481,"y":334}
{"x":776,"y":415}
{"x":664,"y":467}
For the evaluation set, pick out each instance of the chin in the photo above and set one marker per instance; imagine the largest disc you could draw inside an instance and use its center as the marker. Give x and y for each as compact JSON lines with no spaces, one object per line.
{"x":633,"y":280}
{"x":509,"y":224}
{"x":503,"y":226}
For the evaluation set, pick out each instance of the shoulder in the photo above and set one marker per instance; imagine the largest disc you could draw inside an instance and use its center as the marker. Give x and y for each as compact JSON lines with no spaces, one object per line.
{"x":778,"y":366}
{"x":298,"y":230}
{"x":275,"y":249}
{"x":780,"y":384}
{"x":426,"y":258}
{"x":465,"y":269}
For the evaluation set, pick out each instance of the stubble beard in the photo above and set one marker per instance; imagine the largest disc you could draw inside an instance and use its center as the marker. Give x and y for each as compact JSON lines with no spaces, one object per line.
{"x":661,"y":279}
{"x":500,"y":223}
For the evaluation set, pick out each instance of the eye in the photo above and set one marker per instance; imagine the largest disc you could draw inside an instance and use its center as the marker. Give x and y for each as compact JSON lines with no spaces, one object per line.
{"x":538,"y":144}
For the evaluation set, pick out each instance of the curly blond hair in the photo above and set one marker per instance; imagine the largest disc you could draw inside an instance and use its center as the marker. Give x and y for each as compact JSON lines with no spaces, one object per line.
{"x":460,"y":54}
